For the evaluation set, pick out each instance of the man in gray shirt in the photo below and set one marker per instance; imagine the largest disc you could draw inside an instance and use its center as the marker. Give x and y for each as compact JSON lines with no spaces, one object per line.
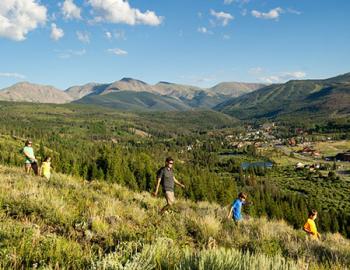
{"x":166,"y":177}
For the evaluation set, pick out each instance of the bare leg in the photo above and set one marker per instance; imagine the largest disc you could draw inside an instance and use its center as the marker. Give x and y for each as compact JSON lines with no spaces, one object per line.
{"x":27,"y":167}
{"x":170,"y":199}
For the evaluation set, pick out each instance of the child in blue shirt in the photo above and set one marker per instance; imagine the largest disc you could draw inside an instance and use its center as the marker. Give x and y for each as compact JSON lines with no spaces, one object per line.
{"x":236,"y":208}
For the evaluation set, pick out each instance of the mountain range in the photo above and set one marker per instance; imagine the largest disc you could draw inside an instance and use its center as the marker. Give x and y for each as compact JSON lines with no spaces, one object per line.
{"x":130,"y":94}
{"x":242,"y":100}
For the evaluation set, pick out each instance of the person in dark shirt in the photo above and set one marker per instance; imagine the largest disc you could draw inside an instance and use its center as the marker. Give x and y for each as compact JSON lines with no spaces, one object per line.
{"x":166,"y":177}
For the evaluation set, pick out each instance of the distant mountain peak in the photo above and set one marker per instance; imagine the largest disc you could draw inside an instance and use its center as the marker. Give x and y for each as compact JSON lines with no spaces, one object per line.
{"x":29,"y":84}
{"x":130,"y":80}
{"x":164,"y":82}
{"x":30,"y":92}
{"x":23,"y":83}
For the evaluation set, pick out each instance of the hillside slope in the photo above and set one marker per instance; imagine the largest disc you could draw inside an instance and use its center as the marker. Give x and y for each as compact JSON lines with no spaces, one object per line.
{"x":78,"y":92}
{"x":303,"y":97}
{"x":135,"y":101}
{"x":75,"y":224}
{"x":235,"y":89}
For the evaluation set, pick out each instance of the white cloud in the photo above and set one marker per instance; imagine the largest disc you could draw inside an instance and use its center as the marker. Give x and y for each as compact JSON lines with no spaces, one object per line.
{"x":226,"y":37}
{"x":83,"y":36}
{"x":270,"y":79}
{"x":108,"y":35}
{"x":18,"y":17}
{"x":65,"y":54}
{"x":12,"y":75}
{"x":284,"y":76}
{"x":295,"y":75}
{"x":117,"y":34}
{"x":71,"y":10}
{"x":120,"y":11}
{"x":273,"y":14}
{"x":117,"y":51}
{"x":56,"y":33}
{"x":228,"y":2}
{"x":294,"y":11}
{"x":204,"y":30}
{"x":221,"y":16}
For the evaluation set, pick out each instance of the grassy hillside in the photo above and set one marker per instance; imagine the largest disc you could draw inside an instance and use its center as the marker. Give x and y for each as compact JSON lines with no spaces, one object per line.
{"x":68,"y":223}
{"x":298,"y":98}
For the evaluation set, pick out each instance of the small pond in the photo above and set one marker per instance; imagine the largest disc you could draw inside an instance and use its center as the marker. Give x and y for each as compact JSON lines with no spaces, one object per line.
{"x":261,"y":164}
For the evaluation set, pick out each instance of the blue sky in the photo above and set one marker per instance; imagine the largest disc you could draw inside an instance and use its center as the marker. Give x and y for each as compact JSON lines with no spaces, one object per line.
{"x":198,"y":42}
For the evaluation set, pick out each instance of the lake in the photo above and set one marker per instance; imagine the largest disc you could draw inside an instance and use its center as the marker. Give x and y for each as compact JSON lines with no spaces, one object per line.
{"x":263,"y":164}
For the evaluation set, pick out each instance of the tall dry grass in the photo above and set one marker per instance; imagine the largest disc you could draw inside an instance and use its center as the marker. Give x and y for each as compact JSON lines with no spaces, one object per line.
{"x":68,"y":223}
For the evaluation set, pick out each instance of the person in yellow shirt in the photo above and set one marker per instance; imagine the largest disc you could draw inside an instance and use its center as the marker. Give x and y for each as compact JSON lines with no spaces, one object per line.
{"x":46,"y":168}
{"x":310,"y":226}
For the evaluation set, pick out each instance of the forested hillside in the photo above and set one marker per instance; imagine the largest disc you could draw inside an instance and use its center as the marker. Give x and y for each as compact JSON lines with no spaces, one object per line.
{"x":128,"y":149}
{"x":296,"y":98}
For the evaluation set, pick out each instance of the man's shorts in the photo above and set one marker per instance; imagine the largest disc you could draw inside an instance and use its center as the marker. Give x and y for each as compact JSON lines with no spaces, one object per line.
{"x":170,"y":197}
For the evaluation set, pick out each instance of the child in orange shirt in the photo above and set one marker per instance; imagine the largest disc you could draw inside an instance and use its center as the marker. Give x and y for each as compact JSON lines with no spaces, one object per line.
{"x":310,"y":226}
